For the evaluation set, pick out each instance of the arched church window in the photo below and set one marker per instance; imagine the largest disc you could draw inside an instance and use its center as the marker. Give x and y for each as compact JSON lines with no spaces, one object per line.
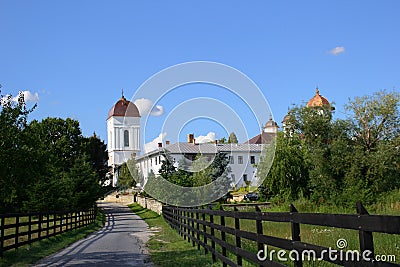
{"x":126,"y":138}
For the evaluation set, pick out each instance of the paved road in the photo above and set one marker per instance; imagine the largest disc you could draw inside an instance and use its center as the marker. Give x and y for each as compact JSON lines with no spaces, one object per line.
{"x":120,"y":243}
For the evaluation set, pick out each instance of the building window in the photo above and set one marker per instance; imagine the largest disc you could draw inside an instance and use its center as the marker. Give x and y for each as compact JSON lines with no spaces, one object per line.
{"x":231,"y":160}
{"x":126,"y":138}
{"x":252,"y":159}
{"x":156,"y":160}
{"x":240,"y":159}
{"x":159,"y":159}
{"x":245,"y":177}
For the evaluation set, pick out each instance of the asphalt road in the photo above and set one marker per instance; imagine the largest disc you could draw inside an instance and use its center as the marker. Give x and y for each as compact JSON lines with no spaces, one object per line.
{"x":120,"y":243}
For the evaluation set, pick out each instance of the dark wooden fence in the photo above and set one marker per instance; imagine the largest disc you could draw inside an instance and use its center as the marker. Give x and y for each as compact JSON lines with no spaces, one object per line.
{"x":209,"y":229}
{"x":19,"y":229}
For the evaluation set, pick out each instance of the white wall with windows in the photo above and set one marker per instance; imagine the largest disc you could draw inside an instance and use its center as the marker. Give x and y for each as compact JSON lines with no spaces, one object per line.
{"x":123,"y":140}
{"x":241,"y":163}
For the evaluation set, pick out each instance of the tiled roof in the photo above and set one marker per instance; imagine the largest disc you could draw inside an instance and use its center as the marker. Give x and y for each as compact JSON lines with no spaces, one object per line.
{"x":263,"y":138}
{"x":205,"y":148}
{"x":124,"y":108}
{"x":318,"y":100}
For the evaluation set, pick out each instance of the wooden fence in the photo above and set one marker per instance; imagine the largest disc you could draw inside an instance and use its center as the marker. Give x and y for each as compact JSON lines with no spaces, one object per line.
{"x":209,"y":229}
{"x":19,"y":229}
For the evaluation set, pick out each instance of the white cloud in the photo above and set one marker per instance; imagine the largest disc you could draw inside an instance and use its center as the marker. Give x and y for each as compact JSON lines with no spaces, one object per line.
{"x":28,"y":96}
{"x":145,"y":107}
{"x":210,"y":137}
{"x":153,"y":145}
{"x":337,"y":50}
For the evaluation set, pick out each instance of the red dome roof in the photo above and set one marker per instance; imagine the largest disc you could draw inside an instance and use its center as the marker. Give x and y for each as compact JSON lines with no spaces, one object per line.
{"x":318,"y":100}
{"x":124,"y":108}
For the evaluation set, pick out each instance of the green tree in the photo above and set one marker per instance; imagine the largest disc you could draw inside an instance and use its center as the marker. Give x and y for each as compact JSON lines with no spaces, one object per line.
{"x":201,"y":171}
{"x":288,"y":175}
{"x":61,"y":138}
{"x":374,"y":118}
{"x":70,"y":160}
{"x":96,"y":150}
{"x":46,"y":165}
{"x":17,"y":158}
{"x":182,"y":178}
{"x":232,"y":138}
{"x":219,"y":166}
{"x":222,"y":140}
{"x":129,"y":174}
{"x":314,"y":126}
{"x":167,"y":169}
{"x":374,"y":131}
{"x":83,"y":185}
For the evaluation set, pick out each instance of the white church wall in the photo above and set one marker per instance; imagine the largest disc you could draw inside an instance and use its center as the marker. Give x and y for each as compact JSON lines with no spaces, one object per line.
{"x":147,"y":163}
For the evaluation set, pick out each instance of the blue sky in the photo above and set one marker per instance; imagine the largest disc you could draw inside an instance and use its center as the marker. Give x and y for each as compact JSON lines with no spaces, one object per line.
{"x":77,"y":55}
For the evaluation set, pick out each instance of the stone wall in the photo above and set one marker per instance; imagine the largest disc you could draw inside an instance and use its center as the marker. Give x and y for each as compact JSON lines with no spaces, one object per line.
{"x":122,"y":199}
{"x":149,"y":203}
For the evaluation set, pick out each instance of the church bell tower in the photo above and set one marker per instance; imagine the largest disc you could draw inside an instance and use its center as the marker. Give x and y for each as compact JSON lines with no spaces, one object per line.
{"x":123,"y":130}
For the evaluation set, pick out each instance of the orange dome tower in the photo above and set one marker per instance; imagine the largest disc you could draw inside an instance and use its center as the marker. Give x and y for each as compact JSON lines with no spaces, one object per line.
{"x":318,"y":100}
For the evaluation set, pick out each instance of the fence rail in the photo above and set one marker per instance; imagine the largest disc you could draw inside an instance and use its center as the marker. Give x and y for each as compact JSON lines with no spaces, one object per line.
{"x":20,"y":229}
{"x":201,"y":227}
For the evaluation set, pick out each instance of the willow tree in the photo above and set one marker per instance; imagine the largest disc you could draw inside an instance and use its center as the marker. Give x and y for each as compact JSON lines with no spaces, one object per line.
{"x":287,"y":177}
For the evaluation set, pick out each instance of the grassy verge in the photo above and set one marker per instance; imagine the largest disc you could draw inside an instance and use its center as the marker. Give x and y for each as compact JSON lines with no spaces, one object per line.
{"x":30,"y":254}
{"x":167,"y":247}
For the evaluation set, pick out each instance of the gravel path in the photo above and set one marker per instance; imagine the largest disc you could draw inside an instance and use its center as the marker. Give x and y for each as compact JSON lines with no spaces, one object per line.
{"x":121,"y":242}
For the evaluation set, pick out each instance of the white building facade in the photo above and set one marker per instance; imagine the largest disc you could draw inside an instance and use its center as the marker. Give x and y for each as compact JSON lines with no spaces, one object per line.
{"x":242,"y":158}
{"x":123,"y":131}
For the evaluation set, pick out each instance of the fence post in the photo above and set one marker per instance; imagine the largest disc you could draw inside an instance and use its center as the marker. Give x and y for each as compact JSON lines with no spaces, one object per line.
{"x":76,"y":220}
{"x":61,"y":222}
{"x":96,"y":209}
{"x":214,"y":259}
{"x":188,"y":223}
{"x":66,"y":220}
{"x":366,"y":238}
{"x":192,"y":217}
{"x":259,"y":229}
{"x":3,"y":221}
{"x":223,"y":236}
{"x":16,"y":230}
{"x":198,"y":229}
{"x":203,"y":216}
{"x":29,"y":228}
{"x":238,"y":241}
{"x":40,"y":225}
{"x":54,"y":222}
{"x":47,"y":224}
{"x":180,"y":212}
{"x":184,"y":214}
{"x":295,"y":234}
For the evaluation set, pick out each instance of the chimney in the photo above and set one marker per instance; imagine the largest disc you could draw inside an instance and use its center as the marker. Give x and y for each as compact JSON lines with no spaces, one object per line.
{"x":159,"y":145}
{"x":216,"y":142}
{"x":190,"y":138}
{"x":167,"y":142}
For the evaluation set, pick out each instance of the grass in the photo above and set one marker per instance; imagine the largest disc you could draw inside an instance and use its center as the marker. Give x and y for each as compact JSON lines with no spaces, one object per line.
{"x":167,"y":248}
{"x":29,"y":254}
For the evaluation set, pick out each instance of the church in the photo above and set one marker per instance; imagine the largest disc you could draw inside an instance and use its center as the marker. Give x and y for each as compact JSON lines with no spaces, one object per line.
{"x":123,"y":135}
{"x":123,"y":131}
